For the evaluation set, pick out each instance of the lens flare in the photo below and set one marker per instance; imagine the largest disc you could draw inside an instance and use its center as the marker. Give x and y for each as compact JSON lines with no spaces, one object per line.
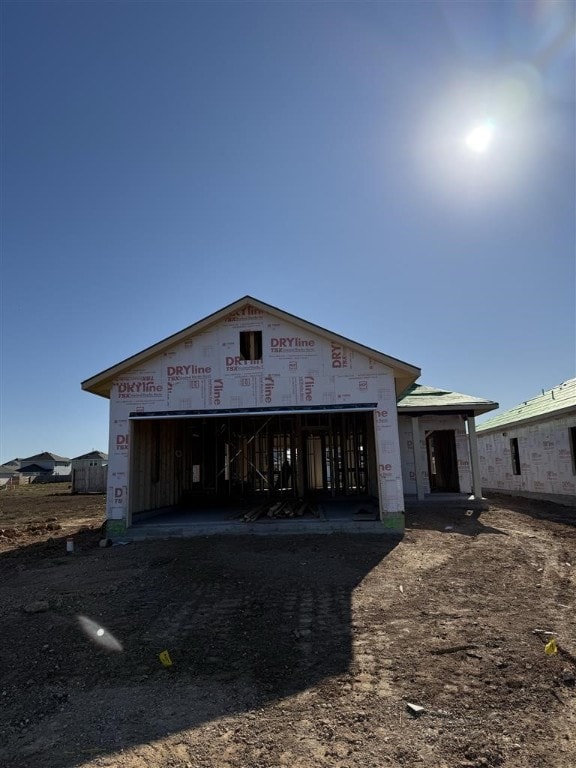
{"x":480,"y":137}
{"x":98,"y":634}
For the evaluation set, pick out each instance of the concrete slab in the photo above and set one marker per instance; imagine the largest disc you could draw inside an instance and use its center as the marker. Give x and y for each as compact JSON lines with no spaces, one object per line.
{"x":447,"y":500}
{"x":345,"y":516}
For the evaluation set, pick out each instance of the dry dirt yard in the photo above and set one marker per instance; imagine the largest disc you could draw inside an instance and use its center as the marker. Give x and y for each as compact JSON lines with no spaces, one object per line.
{"x":288,"y":651}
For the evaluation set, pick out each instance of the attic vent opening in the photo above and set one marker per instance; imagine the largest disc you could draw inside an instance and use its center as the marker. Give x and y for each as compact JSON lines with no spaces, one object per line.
{"x":251,"y":345}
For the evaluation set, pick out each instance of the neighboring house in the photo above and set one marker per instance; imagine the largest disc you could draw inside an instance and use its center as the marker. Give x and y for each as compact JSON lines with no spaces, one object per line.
{"x":47,"y":466}
{"x":13,"y":464}
{"x":92,"y":459}
{"x":530,"y":450}
{"x":9,"y":474}
{"x":34,"y":469}
{"x":255,"y":403}
{"x":89,"y":472}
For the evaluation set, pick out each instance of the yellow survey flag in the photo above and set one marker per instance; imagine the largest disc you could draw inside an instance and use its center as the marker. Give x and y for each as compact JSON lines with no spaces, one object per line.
{"x":165,"y":658}
{"x":551,"y":647}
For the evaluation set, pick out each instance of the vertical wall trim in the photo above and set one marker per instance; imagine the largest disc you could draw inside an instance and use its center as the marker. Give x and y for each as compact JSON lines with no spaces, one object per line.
{"x":417,"y":457}
{"x":476,"y":481}
{"x":130,"y":483}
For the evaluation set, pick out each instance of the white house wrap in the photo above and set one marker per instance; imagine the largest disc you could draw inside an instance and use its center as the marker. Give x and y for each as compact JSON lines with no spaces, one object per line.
{"x":530,"y":450}
{"x":250,"y":402}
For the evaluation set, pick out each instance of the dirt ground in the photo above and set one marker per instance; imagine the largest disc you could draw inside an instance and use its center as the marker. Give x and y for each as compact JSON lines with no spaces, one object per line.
{"x":288,"y":651}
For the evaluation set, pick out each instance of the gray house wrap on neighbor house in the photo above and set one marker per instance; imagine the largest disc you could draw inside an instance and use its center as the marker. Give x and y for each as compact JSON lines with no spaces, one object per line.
{"x":253,"y":403}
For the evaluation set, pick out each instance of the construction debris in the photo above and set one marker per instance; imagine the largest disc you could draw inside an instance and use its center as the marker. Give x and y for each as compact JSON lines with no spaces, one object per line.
{"x":454,"y":648}
{"x":281,"y":510}
{"x":39,"y":606}
{"x":568,"y":677}
{"x":551,"y":647}
{"x":366,"y":514}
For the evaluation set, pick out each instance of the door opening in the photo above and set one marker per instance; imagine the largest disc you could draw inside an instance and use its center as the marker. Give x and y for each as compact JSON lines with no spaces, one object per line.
{"x":442,"y":461}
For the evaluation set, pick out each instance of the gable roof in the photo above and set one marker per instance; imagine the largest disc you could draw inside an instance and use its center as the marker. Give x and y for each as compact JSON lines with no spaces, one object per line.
{"x":45,"y":456}
{"x":91,"y":455}
{"x":551,"y":403}
{"x":419,"y":398}
{"x":35,"y":468}
{"x":13,"y":463}
{"x":101,"y":383}
{"x":8,"y":468}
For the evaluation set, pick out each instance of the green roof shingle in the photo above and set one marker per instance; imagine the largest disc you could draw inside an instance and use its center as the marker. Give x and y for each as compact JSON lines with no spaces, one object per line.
{"x":549,"y":403}
{"x":421,"y":397}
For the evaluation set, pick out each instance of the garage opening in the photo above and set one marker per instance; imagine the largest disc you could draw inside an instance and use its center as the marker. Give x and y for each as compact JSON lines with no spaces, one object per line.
{"x":243,"y":461}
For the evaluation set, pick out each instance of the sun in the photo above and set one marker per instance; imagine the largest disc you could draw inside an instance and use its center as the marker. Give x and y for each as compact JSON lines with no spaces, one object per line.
{"x":479,"y":139}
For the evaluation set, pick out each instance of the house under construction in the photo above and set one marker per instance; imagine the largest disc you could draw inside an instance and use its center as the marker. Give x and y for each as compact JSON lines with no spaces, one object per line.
{"x":254,"y":415}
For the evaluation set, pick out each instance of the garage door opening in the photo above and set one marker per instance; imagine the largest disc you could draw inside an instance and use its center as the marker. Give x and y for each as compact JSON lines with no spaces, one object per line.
{"x":232,"y":464}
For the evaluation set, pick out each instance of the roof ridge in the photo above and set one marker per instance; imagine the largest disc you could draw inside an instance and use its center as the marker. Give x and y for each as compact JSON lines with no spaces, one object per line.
{"x":545,"y":392}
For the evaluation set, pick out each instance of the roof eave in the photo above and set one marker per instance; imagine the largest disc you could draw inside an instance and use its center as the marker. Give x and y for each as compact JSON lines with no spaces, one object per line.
{"x":475,"y":409}
{"x":528,"y":420}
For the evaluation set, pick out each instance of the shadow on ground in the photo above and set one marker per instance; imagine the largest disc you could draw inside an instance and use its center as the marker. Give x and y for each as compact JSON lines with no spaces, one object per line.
{"x":246,"y":621}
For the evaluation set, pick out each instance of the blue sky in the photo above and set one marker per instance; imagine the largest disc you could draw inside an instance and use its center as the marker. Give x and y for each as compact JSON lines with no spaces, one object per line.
{"x":161,"y":159}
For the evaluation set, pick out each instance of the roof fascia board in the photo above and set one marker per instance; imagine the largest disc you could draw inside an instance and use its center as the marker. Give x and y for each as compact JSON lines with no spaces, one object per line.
{"x":99,"y":384}
{"x":464,"y":409}
{"x":436,"y":412}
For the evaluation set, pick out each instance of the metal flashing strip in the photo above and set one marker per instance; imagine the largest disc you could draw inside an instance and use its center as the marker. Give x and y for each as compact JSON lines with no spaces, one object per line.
{"x":265,"y":411}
